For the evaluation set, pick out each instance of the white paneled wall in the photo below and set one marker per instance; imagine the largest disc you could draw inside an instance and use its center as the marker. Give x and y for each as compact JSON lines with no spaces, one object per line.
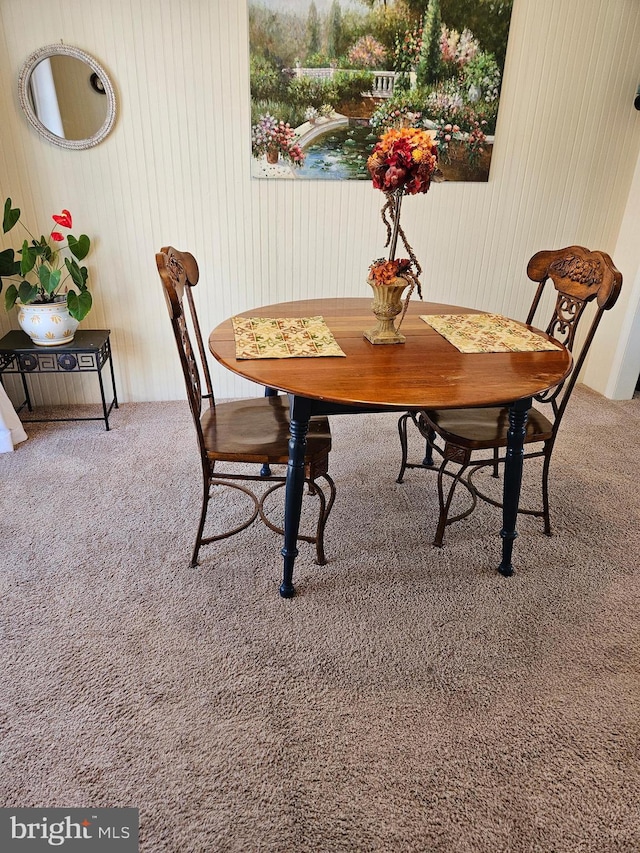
{"x":176,"y":170}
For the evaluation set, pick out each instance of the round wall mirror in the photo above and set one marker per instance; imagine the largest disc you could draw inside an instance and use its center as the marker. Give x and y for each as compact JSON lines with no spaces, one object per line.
{"x":67,"y":96}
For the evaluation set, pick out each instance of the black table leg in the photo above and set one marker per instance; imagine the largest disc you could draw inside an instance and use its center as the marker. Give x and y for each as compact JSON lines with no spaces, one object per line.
{"x":518,"y":412}
{"x":298,"y":427}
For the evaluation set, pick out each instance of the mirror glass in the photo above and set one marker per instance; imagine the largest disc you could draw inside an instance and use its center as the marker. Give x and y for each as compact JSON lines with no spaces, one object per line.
{"x":67,"y":96}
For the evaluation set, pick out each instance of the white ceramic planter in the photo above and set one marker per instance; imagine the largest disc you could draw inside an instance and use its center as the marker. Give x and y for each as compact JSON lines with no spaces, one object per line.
{"x":48,"y":325}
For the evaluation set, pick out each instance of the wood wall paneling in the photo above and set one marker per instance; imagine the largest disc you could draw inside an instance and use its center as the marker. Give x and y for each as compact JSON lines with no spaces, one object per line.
{"x":176,"y":170}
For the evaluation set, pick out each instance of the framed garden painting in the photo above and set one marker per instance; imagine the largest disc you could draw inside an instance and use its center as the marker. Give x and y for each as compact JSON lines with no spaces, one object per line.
{"x":329,"y":77}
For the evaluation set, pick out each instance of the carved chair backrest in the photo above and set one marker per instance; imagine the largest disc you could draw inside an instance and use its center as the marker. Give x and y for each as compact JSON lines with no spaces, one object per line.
{"x":179,"y":275}
{"x":579,"y":277}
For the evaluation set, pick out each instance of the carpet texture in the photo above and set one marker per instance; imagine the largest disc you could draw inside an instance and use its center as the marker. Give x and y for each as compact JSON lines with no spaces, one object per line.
{"x":407,"y":699}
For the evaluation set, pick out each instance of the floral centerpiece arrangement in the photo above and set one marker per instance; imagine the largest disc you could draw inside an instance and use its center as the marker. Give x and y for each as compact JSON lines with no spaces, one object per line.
{"x":404,"y":158}
{"x":42,"y":271}
{"x":403,"y":162}
{"x":275,"y":138}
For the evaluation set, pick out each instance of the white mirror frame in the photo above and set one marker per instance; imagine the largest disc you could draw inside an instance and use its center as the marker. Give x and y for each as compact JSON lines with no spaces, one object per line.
{"x":27,"y":107}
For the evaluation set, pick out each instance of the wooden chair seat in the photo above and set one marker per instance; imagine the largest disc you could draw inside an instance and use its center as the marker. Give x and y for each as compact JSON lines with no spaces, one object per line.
{"x":257,"y":430}
{"x":481,"y":429}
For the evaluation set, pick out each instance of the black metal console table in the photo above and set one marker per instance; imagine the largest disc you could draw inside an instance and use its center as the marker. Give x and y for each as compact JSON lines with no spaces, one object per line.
{"x":88,"y":352}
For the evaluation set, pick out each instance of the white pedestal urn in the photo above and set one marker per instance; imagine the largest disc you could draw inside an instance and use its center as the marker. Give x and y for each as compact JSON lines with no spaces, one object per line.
{"x":48,"y":324}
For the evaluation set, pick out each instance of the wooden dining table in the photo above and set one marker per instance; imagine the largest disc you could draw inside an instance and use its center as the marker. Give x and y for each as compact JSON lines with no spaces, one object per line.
{"x":425,"y":372}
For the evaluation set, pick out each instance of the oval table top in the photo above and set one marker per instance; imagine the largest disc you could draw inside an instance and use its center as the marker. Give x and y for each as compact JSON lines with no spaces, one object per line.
{"x":425,"y":372}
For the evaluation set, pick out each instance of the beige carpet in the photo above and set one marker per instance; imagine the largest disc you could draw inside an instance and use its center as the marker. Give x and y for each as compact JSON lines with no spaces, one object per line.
{"x":407,"y":699}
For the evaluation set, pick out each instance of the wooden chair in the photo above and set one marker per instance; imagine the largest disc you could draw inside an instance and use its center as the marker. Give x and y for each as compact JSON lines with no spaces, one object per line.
{"x":249,"y":432}
{"x":579,"y":276}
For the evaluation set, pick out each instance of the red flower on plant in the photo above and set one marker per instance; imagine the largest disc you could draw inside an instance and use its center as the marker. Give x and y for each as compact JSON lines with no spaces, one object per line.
{"x":57,"y":236}
{"x":63,"y":218}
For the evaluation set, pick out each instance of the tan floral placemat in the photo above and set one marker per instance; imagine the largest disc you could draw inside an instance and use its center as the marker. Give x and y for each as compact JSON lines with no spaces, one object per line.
{"x":487,"y":333}
{"x":295,"y":337}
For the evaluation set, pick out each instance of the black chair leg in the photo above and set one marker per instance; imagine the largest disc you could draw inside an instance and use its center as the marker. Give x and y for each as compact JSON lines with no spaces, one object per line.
{"x":427,"y":462}
{"x":545,"y":494}
{"x":203,"y":516}
{"x":428,"y":453}
{"x":445,"y":506}
{"x":402,"y":430}
{"x":325,"y":509}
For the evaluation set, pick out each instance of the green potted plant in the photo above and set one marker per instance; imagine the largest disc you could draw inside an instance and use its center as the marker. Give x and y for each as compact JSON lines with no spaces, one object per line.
{"x":48,"y":285}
